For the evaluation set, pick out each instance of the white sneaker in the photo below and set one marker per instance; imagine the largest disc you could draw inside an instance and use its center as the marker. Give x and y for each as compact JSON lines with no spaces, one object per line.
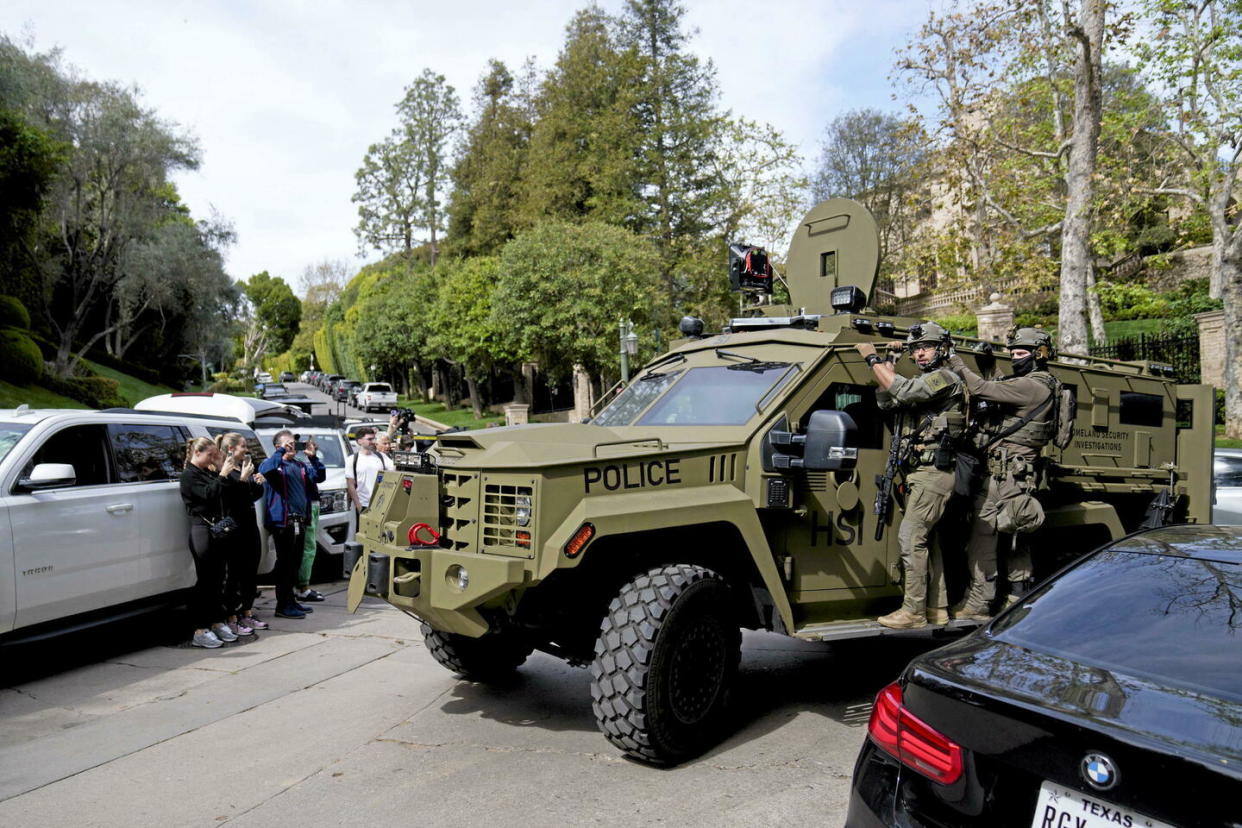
{"x":223,"y":632}
{"x":205,"y":638}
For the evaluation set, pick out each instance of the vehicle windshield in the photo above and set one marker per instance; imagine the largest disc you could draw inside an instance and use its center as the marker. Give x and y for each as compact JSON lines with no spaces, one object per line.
{"x":709,"y":395}
{"x":10,"y":433}
{"x":380,"y":388}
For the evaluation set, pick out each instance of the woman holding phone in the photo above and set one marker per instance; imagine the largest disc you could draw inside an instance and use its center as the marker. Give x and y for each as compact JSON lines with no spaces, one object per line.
{"x":203,"y":484}
{"x":242,"y":559}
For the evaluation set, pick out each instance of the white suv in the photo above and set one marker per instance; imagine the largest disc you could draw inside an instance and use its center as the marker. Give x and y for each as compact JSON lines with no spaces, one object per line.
{"x":92,"y":526}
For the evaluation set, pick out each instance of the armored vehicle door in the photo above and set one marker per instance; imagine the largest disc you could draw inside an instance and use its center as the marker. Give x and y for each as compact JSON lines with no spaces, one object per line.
{"x":826,"y":539}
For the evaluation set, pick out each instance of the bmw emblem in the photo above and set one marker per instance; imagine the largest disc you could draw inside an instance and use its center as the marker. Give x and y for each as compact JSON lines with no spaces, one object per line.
{"x":1099,"y":771}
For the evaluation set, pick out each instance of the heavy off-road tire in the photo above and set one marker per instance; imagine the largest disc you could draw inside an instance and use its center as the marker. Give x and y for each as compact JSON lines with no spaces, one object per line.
{"x":493,"y":657}
{"x":665,"y":661}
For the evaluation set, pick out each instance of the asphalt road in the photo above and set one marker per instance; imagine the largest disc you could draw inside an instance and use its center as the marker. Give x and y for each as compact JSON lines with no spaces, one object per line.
{"x":346,"y":719}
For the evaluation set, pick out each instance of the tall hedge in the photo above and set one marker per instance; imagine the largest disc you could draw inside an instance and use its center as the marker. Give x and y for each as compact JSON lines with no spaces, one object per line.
{"x":21,"y":362}
{"x":13,"y":313}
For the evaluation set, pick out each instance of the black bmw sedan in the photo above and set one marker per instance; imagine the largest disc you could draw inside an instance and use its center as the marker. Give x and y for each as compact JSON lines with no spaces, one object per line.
{"x":1110,"y":696}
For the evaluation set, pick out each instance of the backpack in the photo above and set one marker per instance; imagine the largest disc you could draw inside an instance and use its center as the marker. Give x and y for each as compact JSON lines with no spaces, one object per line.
{"x":1064,"y":412}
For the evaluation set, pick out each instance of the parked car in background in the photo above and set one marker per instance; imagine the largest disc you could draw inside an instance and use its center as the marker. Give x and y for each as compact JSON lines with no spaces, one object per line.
{"x":287,"y":376}
{"x":1110,"y":695}
{"x":341,"y":391}
{"x":94,"y":525}
{"x":377,"y":396}
{"x":272,"y":390}
{"x":1227,"y":477}
{"x":263,"y":377}
{"x":336,"y":513}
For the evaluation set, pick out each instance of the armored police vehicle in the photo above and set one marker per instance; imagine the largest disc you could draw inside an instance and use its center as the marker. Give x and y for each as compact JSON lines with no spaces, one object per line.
{"x":733,"y":484}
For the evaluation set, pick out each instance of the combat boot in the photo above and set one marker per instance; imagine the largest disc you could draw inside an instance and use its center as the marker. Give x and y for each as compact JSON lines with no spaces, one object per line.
{"x":965,"y":611}
{"x":903,"y":619}
{"x":937,"y":616}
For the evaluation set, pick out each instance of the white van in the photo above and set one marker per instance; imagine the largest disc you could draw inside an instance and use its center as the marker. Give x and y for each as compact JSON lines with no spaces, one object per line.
{"x":92,"y":526}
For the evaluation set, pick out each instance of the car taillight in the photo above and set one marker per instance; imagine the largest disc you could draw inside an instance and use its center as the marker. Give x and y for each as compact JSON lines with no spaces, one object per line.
{"x":913,"y":742}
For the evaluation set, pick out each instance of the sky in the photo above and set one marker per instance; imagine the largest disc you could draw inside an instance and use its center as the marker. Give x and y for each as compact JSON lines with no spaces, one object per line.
{"x":285,"y":97}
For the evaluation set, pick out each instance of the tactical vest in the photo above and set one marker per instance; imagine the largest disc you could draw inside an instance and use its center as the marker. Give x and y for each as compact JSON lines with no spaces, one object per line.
{"x":934,"y":421}
{"x":1038,"y":432}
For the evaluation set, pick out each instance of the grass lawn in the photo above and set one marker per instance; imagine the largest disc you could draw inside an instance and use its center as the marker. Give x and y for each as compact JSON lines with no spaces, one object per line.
{"x":132,"y":389}
{"x":1223,"y":441}
{"x":456,"y":417}
{"x":34,"y":396}
{"x":1130,"y":328}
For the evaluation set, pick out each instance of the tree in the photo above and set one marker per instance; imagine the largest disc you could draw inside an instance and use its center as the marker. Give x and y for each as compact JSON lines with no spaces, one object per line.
{"x":563,"y":288}
{"x":483,"y":210}
{"x":464,"y":329}
{"x":390,"y":325}
{"x":272,"y":317}
{"x":874,"y":158}
{"x":1195,"y":55}
{"x":389,"y":195}
{"x":585,"y":138}
{"x":431,"y":117}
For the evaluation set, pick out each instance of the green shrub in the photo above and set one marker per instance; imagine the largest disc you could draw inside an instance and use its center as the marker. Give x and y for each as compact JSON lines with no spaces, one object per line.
{"x":1128,"y":300}
{"x":229,"y":386}
{"x":97,"y":392}
{"x":958,"y":323}
{"x":13,"y":313}
{"x":21,"y":363}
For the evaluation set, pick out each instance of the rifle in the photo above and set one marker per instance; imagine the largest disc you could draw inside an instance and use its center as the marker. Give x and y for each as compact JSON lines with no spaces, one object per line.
{"x":884,"y":482}
{"x":1160,"y":510}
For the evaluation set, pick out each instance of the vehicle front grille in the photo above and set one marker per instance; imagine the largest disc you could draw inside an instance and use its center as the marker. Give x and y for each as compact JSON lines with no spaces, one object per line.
{"x":500,"y":523}
{"x":460,"y":501}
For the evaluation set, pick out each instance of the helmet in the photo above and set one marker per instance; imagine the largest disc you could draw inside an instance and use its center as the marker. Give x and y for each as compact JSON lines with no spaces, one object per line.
{"x":927,"y":334}
{"x":1035,"y":340}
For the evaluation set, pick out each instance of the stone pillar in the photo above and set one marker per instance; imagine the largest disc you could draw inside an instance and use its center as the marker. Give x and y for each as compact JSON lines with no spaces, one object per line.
{"x":1212,"y":348}
{"x":584,"y":397}
{"x":517,"y":414}
{"x":995,"y":319}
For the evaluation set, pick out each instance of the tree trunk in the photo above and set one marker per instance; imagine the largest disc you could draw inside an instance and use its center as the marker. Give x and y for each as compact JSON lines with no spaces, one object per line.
{"x":1231,"y":293}
{"x":1079,"y":179}
{"x":472,"y":386}
{"x":1093,"y":309}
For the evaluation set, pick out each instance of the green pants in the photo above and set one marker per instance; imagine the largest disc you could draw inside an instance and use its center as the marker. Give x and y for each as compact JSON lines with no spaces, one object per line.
{"x":308,"y":549}
{"x":981,"y":549}
{"x":927,"y":493}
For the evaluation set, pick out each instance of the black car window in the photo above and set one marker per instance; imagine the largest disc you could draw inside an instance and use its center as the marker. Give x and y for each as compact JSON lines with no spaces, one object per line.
{"x":1172,"y":619}
{"x":146,"y":452}
{"x":85,"y":447}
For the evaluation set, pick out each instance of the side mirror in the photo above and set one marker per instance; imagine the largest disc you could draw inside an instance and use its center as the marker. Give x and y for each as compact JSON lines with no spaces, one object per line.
{"x":48,"y":476}
{"x":831,"y":442}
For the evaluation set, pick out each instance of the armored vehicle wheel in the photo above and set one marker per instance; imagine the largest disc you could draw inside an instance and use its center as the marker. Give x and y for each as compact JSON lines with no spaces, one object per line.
{"x":665,"y":660}
{"x":493,"y":657}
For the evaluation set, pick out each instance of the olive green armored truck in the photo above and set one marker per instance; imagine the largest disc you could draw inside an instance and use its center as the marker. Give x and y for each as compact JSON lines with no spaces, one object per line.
{"x":737,"y":482}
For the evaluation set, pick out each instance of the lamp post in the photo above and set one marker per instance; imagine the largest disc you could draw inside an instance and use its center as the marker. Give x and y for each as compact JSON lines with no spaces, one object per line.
{"x":629,"y":348}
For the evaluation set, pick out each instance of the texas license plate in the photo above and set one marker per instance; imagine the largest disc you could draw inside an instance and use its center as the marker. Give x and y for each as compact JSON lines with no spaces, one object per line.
{"x":1061,"y":807}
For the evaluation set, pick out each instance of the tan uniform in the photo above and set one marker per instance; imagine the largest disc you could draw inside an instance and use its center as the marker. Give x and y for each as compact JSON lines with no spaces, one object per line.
{"x":1010,"y":472}
{"x":931,"y":403}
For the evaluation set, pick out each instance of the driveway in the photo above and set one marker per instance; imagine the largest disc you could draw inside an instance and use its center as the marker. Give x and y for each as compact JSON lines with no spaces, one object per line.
{"x":346,"y":719}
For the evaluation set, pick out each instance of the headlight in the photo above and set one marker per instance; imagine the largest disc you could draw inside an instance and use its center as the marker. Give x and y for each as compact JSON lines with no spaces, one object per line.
{"x":332,"y":501}
{"x":457,"y":577}
{"x":521,"y":510}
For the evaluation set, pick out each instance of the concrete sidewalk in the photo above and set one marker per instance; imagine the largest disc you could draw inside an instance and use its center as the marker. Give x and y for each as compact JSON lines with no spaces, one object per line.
{"x":340,"y":719}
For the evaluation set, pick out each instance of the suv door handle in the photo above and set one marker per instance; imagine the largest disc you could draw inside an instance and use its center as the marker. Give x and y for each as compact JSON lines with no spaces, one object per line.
{"x":120,"y":507}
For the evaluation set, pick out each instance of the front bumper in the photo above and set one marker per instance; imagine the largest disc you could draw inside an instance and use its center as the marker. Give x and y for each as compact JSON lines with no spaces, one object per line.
{"x":427,"y":582}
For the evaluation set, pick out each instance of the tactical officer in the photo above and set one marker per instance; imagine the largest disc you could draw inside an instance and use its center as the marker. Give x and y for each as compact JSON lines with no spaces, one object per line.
{"x":1020,"y":423}
{"x":932,"y":407}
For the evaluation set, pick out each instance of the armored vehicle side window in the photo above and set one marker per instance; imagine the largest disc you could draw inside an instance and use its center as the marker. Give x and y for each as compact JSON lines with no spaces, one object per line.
{"x":859,"y":402}
{"x":631,"y":402}
{"x":1141,"y":409}
{"x":719,"y":395}
{"x":84,"y":447}
{"x":146,"y":452}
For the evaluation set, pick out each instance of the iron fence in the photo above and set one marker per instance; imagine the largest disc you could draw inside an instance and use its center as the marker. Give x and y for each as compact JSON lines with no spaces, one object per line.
{"x":1182,"y":352}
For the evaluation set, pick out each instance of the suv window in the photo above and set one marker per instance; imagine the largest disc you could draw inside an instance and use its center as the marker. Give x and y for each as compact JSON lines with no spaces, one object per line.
{"x":85,"y":447}
{"x":1162,"y":617}
{"x":380,"y":388}
{"x":10,"y":433}
{"x":147,"y":452}
{"x":253,"y":444}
